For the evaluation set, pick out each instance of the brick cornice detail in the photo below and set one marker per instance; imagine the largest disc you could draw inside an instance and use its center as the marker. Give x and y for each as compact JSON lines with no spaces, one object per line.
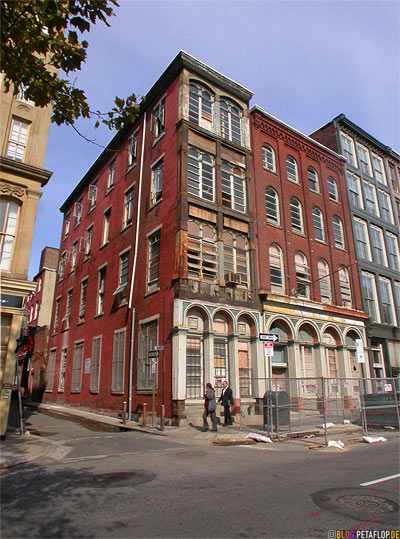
{"x":263,"y":126}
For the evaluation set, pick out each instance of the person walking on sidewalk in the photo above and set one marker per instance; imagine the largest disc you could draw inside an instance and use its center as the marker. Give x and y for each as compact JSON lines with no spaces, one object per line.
{"x":226,"y":399}
{"x":210,"y":405}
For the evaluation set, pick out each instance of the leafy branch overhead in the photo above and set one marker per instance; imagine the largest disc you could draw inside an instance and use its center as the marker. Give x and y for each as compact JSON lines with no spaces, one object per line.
{"x":42,"y":42}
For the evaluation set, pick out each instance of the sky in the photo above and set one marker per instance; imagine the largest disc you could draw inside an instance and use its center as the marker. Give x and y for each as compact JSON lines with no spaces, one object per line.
{"x":306,"y":62}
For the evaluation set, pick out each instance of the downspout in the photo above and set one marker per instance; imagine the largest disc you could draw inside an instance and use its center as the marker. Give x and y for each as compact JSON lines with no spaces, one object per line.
{"x":134,"y":271}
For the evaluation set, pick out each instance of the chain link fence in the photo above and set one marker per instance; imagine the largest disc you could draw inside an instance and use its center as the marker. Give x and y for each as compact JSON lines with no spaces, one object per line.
{"x":307,"y":404}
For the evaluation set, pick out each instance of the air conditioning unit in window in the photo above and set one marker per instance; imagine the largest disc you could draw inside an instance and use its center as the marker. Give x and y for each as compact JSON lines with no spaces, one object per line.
{"x":233,"y":278}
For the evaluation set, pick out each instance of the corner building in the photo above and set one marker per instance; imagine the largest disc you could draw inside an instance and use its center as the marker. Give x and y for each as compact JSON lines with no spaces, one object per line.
{"x":308,"y":280}
{"x":158,"y":250}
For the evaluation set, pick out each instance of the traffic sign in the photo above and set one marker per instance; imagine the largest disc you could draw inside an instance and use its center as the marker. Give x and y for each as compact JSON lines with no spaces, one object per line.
{"x":153,"y":353}
{"x":269,"y":349}
{"x":268,"y":337}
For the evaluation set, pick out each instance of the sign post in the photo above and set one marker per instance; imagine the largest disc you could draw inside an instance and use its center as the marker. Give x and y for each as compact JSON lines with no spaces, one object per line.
{"x":153,"y":356}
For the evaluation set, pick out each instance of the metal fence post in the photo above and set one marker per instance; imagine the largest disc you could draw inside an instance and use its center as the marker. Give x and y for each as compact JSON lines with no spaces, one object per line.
{"x":162,"y":416}
{"x":324,"y":409}
{"x":396,"y":402}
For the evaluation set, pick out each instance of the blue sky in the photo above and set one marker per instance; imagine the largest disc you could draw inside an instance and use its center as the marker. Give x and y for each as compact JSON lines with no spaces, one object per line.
{"x":305,"y":61}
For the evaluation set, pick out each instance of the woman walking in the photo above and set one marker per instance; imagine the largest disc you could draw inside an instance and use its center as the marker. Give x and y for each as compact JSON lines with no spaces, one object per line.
{"x":210,"y":405}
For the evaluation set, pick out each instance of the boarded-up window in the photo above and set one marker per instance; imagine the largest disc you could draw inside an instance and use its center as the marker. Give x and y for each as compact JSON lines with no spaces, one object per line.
{"x":118,"y":361}
{"x":95,"y":365}
{"x":147,"y":342}
{"x":50,"y":370}
{"x":77,"y":368}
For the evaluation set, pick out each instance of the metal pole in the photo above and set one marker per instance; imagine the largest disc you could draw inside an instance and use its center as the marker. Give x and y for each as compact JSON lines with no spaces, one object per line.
{"x":323,"y":408}
{"x":396,"y":402}
{"x":153,"y":404}
{"x":144,"y":414}
{"x":162,"y":417}
{"x":21,"y":419}
{"x":124,"y":413}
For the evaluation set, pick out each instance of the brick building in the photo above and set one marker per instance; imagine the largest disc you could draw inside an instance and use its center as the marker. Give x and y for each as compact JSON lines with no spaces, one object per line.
{"x":372,"y":182}
{"x":165,"y":243}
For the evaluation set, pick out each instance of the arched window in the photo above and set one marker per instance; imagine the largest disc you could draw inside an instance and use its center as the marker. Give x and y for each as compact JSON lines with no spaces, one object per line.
{"x":221,"y":351}
{"x":344,"y":283}
{"x":276,"y":269}
{"x":302,"y":275}
{"x":8,"y":223}
{"x":268,"y":156}
{"x":324,"y":281}
{"x":338,"y":232}
{"x":233,"y":187}
{"x":313,"y":179}
{"x":236,"y":263}
{"x":194,"y":355}
{"x":230,"y":118}
{"x":291,"y":169}
{"x":296,"y":215}
{"x":202,"y":252}
{"x":332,"y":189}
{"x":200,"y":105}
{"x":272,"y":206}
{"x":244,"y":357}
{"x":318,"y":224}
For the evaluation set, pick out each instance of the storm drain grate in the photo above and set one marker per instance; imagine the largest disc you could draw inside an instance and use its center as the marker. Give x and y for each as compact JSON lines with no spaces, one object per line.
{"x":372,"y":505}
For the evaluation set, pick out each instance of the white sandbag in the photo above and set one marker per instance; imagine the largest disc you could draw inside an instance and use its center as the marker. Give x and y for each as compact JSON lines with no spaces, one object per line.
{"x":328,"y":425}
{"x":259,"y":437}
{"x":374,"y":439}
{"x":339,"y":444}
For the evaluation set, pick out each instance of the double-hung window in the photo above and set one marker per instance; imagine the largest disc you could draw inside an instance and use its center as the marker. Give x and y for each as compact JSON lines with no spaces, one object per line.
{"x":147,"y":342}
{"x":82,"y":305}
{"x":159,"y":119}
{"x":236,"y":261}
{"x":106,"y":227}
{"x":67,"y":223}
{"x":318,"y":224}
{"x":378,"y":245}
{"x":132,"y":149}
{"x":201,"y":174}
{"x":77,"y":368}
{"x":296,"y":216}
{"x":268,"y":156}
{"x":17,"y":142}
{"x":156,"y":182}
{"x":291,"y":169}
{"x":8,"y":222}
{"x":338,"y":235}
{"x":272,"y":206}
{"x":276,"y":269}
{"x":92,"y":195}
{"x":365,"y":163}
{"x":362,"y":239}
{"x":88,"y":240}
{"x":348,"y":149}
{"x":313,"y":180}
{"x":101,"y":285}
{"x":393,"y":251}
{"x":118,"y":361}
{"x":128,"y":207}
{"x":344,"y":283}
{"x":386,"y":300}
{"x":379,"y":169}
{"x":123,"y":272}
{"x":111,"y":174}
{"x":200,"y":105}
{"x":371,"y":203}
{"x":202,"y":252}
{"x":77,"y":212}
{"x":324,"y":281}
{"x":354,"y":190}
{"x":95,"y":365}
{"x":368,"y":288}
{"x":302,"y":275}
{"x":233,"y":187}
{"x":153,"y":262}
{"x":230,"y":120}
{"x":385,"y":206}
{"x":332,"y":189}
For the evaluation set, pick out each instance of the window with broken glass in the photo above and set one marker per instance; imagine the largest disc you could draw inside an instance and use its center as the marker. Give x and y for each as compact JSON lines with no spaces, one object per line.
{"x":202,"y":252}
{"x":233,"y":187}
{"x":201,"y":178}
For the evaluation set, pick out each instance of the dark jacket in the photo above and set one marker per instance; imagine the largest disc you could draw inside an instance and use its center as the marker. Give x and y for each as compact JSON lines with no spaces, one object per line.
{"x":227,"y":397}
{"x":210,"y":399}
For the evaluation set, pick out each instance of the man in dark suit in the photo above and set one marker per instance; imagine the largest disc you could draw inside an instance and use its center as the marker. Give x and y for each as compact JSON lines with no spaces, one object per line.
{"x":227,"y":400}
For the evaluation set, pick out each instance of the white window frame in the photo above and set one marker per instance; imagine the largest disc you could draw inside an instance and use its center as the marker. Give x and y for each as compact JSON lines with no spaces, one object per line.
{"x":364,"y":241}
{"x":8,"y":232}
{"x":268,"y":158}
{"x":338,"y":235}
{"x":128,"y":207}
{"x":302,"y":269}
{"x":292,"y":171}
{"x":101,"y":285}
{"x":158,"y":119}
{"x":354,"y":190}
{"x":123,"y":274}
{"x":378,"y":168}
{"x":106,"y":227}
{"x":385,"y":205}
{"x":132,"y":148}
{"x":392,"y":248}
{"x":370,"y":295}
{"x":111,"y":173}
{"x":348,"y":149}
{"x":296,"y":213}
{"x":318,"y":224}
{"x":386,"y":301}
{"x":325,"y":285}
{"x":370,"y":199}
{"x":378,"y":246}
{"x":200,"y":110}
{"x":313,"y":180}
{"x":345,"y":289}
{"x":67,"y":224}
{"x":364,"y":159}
{"x":201,"y":174}
{"x":333,"y":192}
{"x":82,"y":300}
{"x":153,"y":259}
{"x":156,"y":182}
{"x":230,"y":121}
{"x":17,"y":142}
{"x":276,"y":269}
{"x":272,"y":206}
{"x":233,"y":187}
{"x":202,"y":253}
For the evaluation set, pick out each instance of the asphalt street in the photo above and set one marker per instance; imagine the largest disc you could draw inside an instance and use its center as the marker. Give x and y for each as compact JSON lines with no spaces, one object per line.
{"x":99,"y":484}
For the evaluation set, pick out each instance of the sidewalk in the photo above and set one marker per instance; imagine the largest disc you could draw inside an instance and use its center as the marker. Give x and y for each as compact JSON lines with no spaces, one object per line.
{"x":19,"y":449}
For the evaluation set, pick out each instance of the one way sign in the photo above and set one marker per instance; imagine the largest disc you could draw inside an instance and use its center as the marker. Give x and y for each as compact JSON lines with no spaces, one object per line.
{"x":268,"y":337}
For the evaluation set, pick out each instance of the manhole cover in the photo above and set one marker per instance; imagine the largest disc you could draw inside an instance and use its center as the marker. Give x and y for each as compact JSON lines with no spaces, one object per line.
{"x":120,"y":478}
{"x":373,"y":505}
{"x":191,"y":453}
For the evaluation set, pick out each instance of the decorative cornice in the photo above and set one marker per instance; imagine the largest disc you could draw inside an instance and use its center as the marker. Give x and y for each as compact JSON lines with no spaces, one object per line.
{"x":265,"y":127}
{"x":24,"y":170}
{"x":12,"y":190}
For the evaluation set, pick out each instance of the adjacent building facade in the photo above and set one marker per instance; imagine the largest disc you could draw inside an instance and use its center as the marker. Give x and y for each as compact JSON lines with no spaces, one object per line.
{"x":23,"y":136}
{"x":372,"y":182}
